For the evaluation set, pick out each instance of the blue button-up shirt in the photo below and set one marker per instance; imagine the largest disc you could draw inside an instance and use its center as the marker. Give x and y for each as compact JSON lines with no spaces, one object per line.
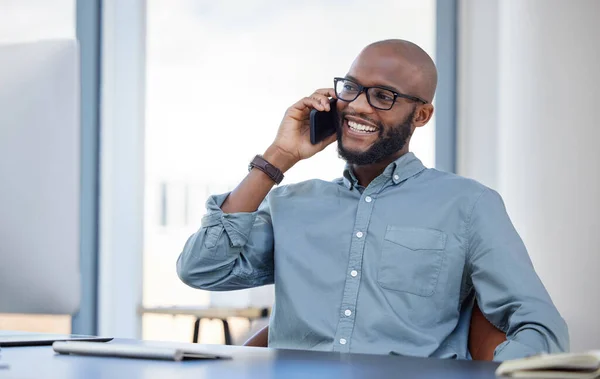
{"x":393,"y":267}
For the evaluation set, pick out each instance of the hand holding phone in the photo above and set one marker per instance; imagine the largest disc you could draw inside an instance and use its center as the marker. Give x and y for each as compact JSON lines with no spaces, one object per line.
{"x":293,"y":142}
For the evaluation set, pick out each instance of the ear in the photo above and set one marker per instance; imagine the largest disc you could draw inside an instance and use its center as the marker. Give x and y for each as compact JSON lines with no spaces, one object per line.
{"x":423,"y":115}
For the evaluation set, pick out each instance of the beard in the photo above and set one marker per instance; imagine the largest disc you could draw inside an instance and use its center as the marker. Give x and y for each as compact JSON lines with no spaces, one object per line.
{"x":386,"y":145}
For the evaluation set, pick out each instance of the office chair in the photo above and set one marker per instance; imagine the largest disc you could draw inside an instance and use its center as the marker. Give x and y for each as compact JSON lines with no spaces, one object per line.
{"x":483,"y":337}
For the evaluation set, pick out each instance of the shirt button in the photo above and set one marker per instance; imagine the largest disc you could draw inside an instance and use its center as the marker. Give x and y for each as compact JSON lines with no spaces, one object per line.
{"x":359,"y":234}
{"x":343,"y":341}
{"x":353,"y":272}
{"x":396,"y":177}
{"x":348,"y":312}
{"x":368,"y":199}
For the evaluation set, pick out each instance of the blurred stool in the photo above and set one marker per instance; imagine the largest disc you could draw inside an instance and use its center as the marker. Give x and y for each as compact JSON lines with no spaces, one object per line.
{"x":211,"y":313}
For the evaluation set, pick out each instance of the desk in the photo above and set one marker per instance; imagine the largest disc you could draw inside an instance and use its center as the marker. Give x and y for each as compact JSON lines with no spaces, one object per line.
{"x":248,"y":362}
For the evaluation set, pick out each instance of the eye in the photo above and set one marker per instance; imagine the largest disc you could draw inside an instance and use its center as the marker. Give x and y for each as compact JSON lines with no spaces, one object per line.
{"x":351,"y":87}
{"x":384,"y":95}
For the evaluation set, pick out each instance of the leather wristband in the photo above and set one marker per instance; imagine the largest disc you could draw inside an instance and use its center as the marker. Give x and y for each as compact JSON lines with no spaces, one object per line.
{"x":271,"y":171}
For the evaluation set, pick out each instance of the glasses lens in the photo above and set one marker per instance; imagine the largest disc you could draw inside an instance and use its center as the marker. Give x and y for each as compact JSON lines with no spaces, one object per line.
{"x":381,"y":98}
{"x":346,"y":90}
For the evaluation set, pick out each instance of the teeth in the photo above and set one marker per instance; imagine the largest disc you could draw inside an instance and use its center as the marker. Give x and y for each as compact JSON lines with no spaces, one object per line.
{"x":361,"y":127}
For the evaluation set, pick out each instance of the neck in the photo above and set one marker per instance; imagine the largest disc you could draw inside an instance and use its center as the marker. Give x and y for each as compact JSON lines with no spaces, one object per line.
{"x":366,"y":173}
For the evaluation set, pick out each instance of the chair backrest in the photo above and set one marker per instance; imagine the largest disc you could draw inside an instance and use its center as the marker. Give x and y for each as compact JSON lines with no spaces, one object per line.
{"x":483,"y":337}
{"x":260,"y":339}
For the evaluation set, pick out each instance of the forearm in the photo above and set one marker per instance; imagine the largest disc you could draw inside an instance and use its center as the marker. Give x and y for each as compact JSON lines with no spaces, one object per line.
{"x":225,"y":267}
{"x":227,"y":245}
{"x":197,"y":267}
{"x":533,"y":339}
{"x":250,"y":193}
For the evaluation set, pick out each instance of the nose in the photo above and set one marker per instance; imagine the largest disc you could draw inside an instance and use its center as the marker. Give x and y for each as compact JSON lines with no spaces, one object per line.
{"x":361,"y":105}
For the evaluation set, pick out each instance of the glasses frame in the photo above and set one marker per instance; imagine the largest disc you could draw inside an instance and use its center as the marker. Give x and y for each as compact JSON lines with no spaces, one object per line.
{"x":366,"y":89}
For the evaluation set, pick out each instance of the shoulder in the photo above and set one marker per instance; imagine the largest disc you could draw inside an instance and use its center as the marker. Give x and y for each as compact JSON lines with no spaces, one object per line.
{"x":452,"y":187}
{"x":453,"y":182}
{"x":307,"y":188}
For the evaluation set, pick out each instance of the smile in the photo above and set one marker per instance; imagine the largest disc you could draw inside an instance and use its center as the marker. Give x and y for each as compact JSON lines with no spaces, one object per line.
{"x":360,"y":128}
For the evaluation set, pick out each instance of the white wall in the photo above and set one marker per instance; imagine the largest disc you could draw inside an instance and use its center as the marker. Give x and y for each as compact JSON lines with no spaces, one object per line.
{"x":529,"y":127}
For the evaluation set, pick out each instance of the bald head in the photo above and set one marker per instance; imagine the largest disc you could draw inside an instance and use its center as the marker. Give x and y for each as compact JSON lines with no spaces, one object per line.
{"x":410,"y":64}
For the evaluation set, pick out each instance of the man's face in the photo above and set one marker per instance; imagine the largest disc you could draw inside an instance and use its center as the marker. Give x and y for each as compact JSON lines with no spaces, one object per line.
{"x":368,"y":135}
{"x":388,"y":140}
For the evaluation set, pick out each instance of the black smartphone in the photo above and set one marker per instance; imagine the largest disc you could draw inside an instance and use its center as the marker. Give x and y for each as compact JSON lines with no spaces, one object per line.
{"x":322,"y":123}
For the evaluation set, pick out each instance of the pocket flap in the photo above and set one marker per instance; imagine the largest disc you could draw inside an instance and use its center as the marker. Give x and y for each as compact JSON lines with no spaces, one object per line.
{"x":416,"y":238}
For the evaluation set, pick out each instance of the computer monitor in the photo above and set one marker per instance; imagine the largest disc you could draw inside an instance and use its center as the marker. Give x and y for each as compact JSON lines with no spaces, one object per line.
{"x":39,"y":177}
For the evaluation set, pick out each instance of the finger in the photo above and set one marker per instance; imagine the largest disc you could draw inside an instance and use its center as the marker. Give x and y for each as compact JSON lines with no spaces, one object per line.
{"x":326,"y":92}
{"x":324,"y":100}
{"x":318,"y":100}
{"x":301,"y":109}
{"x":313,"y":102}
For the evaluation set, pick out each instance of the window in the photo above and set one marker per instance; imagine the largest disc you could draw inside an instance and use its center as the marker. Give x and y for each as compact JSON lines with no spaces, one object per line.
{"x":31,"y":20}
{"x":219,"y":78}
{"x":25,"y":21}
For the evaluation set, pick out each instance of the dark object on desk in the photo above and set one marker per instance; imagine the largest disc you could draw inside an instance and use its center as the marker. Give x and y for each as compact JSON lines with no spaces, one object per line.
{"x":32,"y":339}
{"x":135,"y":351}
{"x":483,"y":337}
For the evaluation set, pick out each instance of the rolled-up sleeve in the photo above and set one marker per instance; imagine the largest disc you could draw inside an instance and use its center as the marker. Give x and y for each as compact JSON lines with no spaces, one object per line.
{"x":230,"y":251}
{"x":508,"y":290}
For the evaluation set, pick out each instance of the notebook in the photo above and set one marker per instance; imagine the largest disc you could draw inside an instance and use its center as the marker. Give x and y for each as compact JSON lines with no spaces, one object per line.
{"x":564,"y":366}
{"x":136,"y":351}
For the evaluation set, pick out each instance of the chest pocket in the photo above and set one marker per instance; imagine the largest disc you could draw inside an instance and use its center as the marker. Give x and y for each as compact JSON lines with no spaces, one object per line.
{"x":411,"y":260}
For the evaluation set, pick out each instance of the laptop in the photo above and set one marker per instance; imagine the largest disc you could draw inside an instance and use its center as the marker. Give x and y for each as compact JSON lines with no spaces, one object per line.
{"x":11,"y":339}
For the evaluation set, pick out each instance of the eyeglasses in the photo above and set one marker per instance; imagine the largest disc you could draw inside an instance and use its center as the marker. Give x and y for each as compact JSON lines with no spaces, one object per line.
{"x":378,"y":97}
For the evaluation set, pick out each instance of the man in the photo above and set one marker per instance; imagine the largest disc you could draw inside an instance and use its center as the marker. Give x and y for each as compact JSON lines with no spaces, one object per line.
{"x":389,"y":258}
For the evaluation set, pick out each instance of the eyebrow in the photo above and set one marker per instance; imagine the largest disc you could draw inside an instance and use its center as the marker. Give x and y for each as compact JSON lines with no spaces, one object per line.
{"x":379,"y":86}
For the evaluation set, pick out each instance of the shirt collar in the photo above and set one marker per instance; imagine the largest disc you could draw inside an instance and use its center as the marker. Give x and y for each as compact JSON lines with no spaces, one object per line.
{"x":399,"y":170}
